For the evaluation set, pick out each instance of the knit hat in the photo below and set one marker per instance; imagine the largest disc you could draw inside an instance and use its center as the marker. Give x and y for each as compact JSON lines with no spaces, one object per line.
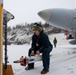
{"x":37,"y":26}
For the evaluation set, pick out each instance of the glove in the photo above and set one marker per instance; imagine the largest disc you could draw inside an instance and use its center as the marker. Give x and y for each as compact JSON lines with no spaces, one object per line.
{"x":32,"y":53}
{"x":38,"y":52}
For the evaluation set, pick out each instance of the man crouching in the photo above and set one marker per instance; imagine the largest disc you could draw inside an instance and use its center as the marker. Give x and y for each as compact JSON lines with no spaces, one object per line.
{"x":40,"y":44}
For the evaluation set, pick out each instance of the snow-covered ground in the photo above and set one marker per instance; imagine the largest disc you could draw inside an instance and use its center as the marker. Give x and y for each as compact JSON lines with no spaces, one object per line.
{"x":63,"y":59}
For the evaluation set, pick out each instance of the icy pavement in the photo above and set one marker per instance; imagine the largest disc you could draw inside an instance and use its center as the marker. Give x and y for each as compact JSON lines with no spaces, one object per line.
{"x":63,"y":60}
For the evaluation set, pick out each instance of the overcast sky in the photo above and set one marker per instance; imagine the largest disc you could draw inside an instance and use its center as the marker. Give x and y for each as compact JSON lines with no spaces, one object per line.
{"x":26,"y":10}
{"x":1,"y":1}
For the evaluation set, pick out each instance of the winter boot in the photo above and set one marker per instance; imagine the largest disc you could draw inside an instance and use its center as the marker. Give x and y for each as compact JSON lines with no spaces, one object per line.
{"x":30,"y":66}
{"x":44,"y":71}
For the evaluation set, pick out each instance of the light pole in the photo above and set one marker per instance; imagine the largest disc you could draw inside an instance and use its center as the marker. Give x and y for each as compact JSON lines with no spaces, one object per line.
{"x":6,"y":17}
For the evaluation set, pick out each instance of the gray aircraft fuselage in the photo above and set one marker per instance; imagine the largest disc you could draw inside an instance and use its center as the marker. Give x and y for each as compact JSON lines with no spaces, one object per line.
{"x":61,"y":18}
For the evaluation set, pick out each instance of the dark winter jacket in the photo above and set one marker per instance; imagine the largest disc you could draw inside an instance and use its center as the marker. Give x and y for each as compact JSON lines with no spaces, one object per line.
{"x":40,"y":42}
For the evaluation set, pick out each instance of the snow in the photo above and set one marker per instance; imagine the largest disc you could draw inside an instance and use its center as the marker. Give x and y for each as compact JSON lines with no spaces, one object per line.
{"x":62,"y":61}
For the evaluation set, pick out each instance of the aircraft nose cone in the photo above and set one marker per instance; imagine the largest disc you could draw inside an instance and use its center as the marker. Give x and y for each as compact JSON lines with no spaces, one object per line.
{"x":45,"y":14}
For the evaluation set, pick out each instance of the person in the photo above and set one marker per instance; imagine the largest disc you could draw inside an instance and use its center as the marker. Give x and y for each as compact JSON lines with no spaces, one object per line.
{"x":55,"y":42}
{"x":40,"y":44}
